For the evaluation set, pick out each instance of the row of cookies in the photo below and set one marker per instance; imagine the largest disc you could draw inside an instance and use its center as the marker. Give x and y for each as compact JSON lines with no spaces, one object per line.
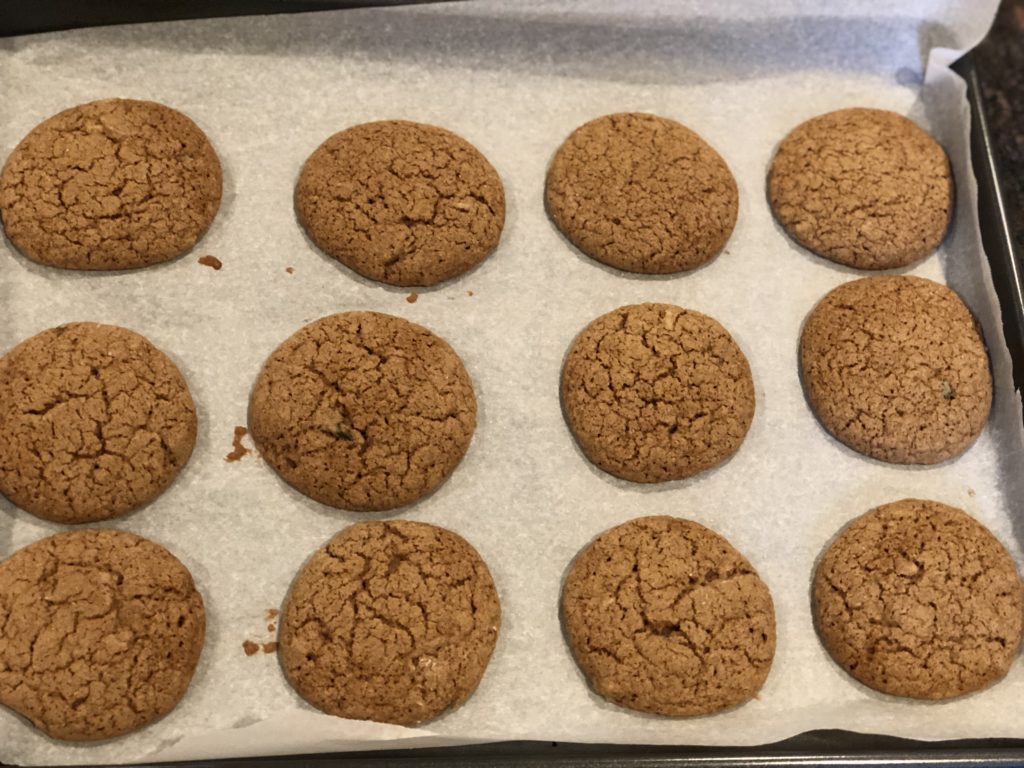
{"x":119,"y":184}
{"x":397,"y":621}
{"x":366,"y":411}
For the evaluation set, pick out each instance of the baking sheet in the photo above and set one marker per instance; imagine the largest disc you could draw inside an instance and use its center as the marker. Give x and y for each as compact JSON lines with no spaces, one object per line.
{"x":514,"y":81}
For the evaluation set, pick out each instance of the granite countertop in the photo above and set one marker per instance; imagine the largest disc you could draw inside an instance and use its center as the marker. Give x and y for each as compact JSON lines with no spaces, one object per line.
{"x":999,"y":62}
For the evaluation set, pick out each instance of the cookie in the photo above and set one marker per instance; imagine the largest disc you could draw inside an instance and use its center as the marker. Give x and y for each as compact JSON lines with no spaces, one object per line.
{"x":654,"y":392}
{"x":664,"y":616}
{"x":100,"y":632}
{"x":112,"y":184}
{"x":393,"y":622}
{"x":94,"y":422}
{"x":919,"y":599}
{"x":862,"y":187}
{"x":896,"y":368}
{"x":642,"y":193}
{"x":402,"y":203}
{"x":363,"y":411}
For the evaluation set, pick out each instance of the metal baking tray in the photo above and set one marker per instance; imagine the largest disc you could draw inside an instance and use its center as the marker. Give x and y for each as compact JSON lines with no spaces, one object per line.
{"x":826,"y":747}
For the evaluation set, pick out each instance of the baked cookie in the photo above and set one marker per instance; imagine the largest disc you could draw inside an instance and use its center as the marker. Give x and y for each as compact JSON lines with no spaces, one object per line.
{"x":393,"y":622}
{"x":862,"y":187}
{"x":363,"y":411}
{"x":399,"y":202}
{"x":919,"y":599}
{"x":896,"y":368}
{"x":642,"y":193}
{"x":94,"y":422}
{"x":101,"y":631}
{"x":664,"y":616}
{"x":654,"y":392}
{"x":112,"y":184}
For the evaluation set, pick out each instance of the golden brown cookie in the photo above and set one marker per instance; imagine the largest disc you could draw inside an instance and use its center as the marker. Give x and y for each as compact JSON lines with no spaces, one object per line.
{"x":363,"y":411}
{"x":862,"y":187}
{"x":663,"y":615}
{"x":400,"y":202}
{"x":94,"y":422}
{"x":919,"y":599}
{"x":896,"y":368}
{"x":393,"y":622}
{"x":100,"y":632}
{"x":654,"y":392}
{"x":642,"y":193}
{"x":112,"y":184}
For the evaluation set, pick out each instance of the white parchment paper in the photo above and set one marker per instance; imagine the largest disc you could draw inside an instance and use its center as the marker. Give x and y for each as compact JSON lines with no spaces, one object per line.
{"x":514,"y":81}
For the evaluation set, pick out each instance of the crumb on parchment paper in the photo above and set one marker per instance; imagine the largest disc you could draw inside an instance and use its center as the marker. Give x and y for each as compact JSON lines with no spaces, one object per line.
{"x":238,"y":450}
{"x":211,"y":261}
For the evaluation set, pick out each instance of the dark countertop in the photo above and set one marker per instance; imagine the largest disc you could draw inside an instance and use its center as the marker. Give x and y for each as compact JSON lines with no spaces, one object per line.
{"x":999,"y":62}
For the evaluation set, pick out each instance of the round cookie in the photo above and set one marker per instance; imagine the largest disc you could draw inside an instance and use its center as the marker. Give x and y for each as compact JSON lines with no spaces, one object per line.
{"x":393,"y":622}
{"x":363,"y":411}
{"x":101,"y":633}
{"x":112,"y":184}
{"x":919,"y":599}
{"x":896,"y":368}
{"x":862,"y":187}
{"x":663,"y":615}
{"x":94,"y":422}
{"x":654,"y":392}
{"x":402,"y":203}
{"x":642,"y":193}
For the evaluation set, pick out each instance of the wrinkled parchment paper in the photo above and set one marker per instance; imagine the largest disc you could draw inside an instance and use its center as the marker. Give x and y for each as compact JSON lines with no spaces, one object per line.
{"x":514,"y":81}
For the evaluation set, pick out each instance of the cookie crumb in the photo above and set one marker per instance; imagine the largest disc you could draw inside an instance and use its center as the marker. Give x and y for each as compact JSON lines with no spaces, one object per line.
{"x":290,"y":270}
{"x":270,"y":647}
{"x":250,"y":647}
{"x":271,"y":627}
{"x":211,"y":261}
{"x":411,"y":298}
{"x":272,"y":613}
{"x":469,"y":293}
{"x":238,"y":450}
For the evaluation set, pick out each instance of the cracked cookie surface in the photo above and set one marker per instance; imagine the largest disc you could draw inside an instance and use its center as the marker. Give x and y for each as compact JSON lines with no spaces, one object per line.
{"x":400,"y":202}
{"x":94,"y":422}
{"x":642,"y":193}
{"x":100,"y":633}
{"x":663,"y":615}
{"x":654,"y":392}
{"x":112,"y":184}
{"x":897,"y":369}
{"x":363,"y":411}
{"x":919,"y":599}
{"x":863,"y":187}
{"x":390,"y":621}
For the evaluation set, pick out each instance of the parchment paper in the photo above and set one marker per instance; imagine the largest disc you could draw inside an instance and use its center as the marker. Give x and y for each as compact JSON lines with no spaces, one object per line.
{"x":514,"y":82}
